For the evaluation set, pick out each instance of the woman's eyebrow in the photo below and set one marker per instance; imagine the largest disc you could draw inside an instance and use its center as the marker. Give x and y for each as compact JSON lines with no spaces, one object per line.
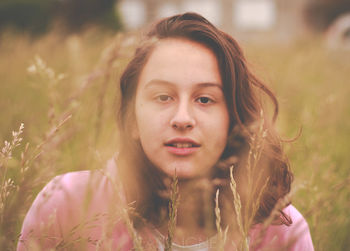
{"x":209,"y":84}
{"x":160,"y":82}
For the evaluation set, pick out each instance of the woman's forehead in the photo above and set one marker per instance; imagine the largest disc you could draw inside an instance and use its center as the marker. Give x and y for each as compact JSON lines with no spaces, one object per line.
{"x":181,"y":60}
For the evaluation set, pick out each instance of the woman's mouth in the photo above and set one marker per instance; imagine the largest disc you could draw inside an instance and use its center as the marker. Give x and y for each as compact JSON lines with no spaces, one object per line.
{"x":182,"y":146}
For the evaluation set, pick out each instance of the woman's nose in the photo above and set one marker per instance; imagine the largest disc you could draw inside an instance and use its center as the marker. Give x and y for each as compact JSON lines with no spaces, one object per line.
{"x":183,"y":118}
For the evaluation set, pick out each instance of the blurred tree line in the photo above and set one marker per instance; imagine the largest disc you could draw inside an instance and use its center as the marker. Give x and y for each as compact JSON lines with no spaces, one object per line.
{"x":37,"y":16}
{"x":321,"y":13}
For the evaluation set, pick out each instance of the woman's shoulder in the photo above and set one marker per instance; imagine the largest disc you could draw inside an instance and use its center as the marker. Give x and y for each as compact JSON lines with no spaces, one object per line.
{"x":86,"y":187}
{"x":71,"y":201}
{"x":295,"y":236}
{"x":79,"y":185}
{"x":71,"y":188}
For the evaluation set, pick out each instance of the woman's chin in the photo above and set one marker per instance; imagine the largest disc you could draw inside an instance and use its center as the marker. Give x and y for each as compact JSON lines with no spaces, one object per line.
{"x":184,"y":172}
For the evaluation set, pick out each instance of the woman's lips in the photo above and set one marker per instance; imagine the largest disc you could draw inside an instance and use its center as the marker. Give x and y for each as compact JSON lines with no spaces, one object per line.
{"x":182,"y":151}
{"x":182,"y":146}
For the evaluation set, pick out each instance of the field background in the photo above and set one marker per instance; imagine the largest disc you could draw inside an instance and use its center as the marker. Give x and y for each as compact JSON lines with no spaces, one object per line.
{"x":70,"y":125}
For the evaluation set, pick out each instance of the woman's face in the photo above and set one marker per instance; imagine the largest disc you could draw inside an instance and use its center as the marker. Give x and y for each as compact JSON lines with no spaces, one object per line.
{"x":181,"y":114}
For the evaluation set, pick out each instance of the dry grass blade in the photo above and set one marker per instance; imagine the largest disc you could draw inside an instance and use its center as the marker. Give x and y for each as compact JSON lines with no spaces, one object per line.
{"x":7,"y":184}
{"x":222,"y":235}
{"x":256,"y":203}
{"x":48,"y":137}
{"x":238,"y":206}
{"x":123,"y":211}
{"x":6,"y":151}
{"x":173,"y":204}
{"x":255,"y":150}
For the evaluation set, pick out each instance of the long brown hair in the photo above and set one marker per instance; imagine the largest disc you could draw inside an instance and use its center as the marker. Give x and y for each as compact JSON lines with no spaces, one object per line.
{"x":244,"y":94}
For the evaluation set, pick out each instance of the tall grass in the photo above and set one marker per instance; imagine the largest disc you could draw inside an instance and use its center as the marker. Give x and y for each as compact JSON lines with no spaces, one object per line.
{"x":311,"y":83}
{"x":67,"y":107}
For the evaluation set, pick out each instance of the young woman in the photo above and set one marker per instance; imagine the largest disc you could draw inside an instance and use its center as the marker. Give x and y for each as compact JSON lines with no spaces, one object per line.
{"x":191,"y":115}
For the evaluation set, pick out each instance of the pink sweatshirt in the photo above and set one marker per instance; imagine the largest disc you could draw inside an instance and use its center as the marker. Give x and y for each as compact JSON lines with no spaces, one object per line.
{"x":84,"y":211}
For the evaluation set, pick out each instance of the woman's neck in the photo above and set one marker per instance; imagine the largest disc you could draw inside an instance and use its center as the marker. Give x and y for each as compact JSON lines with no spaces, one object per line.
{"x":195,"y":220}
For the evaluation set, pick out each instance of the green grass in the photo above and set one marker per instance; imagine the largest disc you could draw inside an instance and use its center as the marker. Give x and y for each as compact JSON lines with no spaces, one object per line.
{"x":311,"y":83}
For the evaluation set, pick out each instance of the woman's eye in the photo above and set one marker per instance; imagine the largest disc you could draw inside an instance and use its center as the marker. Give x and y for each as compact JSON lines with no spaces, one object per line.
{"x":164,"y":98}
{"x":205,"y":100}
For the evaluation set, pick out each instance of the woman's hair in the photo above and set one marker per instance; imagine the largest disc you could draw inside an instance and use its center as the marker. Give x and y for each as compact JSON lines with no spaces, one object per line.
{"x":244,"y":94}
